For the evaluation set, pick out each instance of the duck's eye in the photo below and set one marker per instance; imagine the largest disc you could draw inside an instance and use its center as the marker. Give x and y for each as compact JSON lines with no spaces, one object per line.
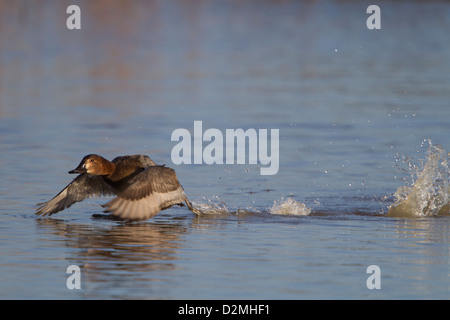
{"x":92,"y":160}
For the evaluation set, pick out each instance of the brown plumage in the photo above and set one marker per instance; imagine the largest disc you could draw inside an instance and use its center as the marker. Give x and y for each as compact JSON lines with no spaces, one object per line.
{"x":142,"y":187}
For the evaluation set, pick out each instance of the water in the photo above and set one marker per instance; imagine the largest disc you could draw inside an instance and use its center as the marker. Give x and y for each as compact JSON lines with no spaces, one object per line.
{"x":364,"y":123}
{"x":429,"y":194}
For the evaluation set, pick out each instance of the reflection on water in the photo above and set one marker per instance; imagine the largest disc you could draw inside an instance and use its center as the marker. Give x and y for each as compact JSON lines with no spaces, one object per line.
{"x":122,"y":247}
{"x":424,"y":231}
{"x":145,"y":260}
{"x":116,"y":257}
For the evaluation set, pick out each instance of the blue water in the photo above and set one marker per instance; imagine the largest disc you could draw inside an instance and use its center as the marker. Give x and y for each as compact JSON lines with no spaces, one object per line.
{"x":356,"y":110}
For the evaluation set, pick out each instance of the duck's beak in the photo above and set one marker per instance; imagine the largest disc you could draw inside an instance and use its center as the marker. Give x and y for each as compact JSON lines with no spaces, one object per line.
{"x":80,"y":169}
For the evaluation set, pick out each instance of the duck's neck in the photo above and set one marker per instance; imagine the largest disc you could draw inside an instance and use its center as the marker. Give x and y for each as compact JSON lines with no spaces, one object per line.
{"x":119,"y":171}
{"x":108,"y":168}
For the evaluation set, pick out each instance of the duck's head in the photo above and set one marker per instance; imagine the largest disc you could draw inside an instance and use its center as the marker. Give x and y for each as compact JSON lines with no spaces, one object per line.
{"x":95,"y":165}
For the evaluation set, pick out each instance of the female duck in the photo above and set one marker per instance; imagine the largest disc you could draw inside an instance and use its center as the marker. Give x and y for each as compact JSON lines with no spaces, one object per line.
{"x":142,"y":187}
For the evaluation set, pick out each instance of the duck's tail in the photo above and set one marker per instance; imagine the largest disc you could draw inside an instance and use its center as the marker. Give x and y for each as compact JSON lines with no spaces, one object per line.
{"x":190,"y":207}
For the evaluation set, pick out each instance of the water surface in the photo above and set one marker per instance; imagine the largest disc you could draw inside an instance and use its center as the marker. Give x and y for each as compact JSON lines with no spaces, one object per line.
{"x":358,"y":110}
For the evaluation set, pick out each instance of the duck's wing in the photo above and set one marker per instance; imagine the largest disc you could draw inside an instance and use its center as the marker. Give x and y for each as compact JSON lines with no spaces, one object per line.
{"x":135,"y":160}
{"x":145,"y":194}
{"x":82,"y":187}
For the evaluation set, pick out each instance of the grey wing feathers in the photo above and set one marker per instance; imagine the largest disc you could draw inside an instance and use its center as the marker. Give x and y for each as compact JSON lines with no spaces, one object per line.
{"x":152,"y":190}
{"x":144,"y":208}
{"x":82,"y":187}
{"x":144,"y":161}
{"x":154,"y":179}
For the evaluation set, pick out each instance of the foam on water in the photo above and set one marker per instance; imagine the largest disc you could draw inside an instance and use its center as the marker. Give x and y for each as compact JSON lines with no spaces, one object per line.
{"x":211,"y":206}
{"x":216,"y":206}
{"x":429,"y":193}
{"x":289,"y":207}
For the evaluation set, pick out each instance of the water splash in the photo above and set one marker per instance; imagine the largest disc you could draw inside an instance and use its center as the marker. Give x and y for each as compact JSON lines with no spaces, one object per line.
{"x":216,"y":206}
{"x":289,"y":207}
{"x":212,"y":206}
{"x":429,"y":195}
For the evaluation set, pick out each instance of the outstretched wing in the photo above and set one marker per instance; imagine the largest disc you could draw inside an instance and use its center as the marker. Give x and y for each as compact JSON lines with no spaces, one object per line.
{"x":141,"y":197}
{"x":82,"y":187}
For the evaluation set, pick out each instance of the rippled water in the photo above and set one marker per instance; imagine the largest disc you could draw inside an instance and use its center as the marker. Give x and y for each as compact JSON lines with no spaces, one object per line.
{"x":363,"y":118}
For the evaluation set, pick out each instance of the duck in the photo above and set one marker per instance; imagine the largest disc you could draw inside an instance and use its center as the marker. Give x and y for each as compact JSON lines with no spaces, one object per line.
{"x":142,"y":188}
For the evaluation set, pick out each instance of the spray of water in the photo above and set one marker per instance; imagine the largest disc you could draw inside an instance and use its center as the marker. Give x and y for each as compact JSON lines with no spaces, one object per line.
{"x":211,"y":206}
{"x":429,"y":193}
{"x":289,"y":207}
{"x":216,"y":206}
